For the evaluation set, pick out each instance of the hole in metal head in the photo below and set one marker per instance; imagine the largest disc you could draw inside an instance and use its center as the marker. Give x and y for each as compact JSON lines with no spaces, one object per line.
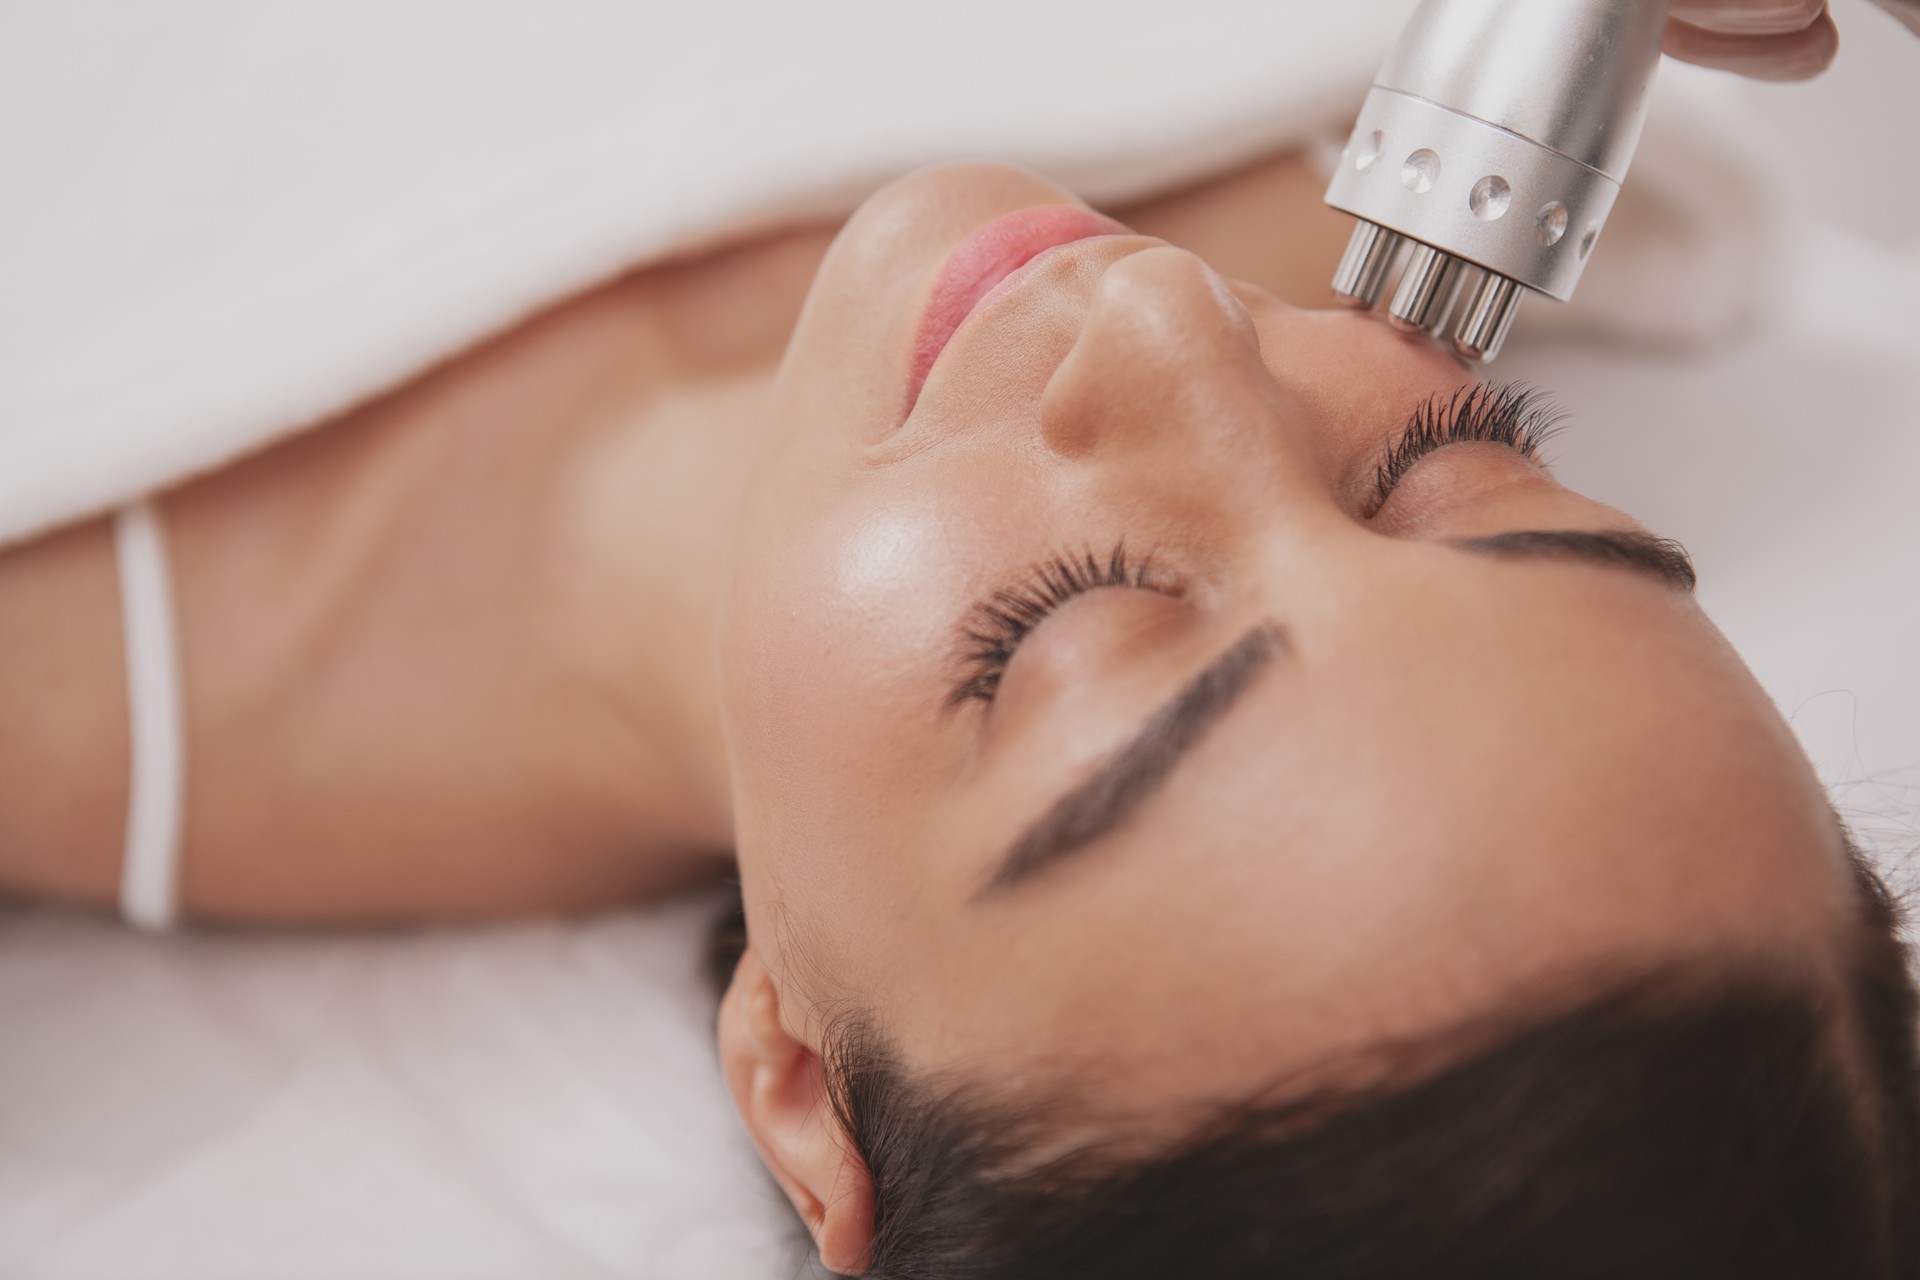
{"x":1421,"y":171}
{"x":1490,"y":198}
{"x":1551,"y":225}
{"x":1366,"y":151}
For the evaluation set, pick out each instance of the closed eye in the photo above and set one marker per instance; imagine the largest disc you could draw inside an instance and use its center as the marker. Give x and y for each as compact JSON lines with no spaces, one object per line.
{"x":1521,"y":417}
{"x":995,"y":627}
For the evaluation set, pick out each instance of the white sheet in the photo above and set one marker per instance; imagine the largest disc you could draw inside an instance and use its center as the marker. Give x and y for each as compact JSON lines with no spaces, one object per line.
{"x":226,"y":220}
{"x":530,"y":1101}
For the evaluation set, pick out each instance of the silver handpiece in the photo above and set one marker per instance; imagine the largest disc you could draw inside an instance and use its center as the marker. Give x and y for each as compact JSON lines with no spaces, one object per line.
{"x":1494,"y":140}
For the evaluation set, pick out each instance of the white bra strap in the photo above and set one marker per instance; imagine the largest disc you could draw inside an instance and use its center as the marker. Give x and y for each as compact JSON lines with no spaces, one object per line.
{"x":148,"y":877}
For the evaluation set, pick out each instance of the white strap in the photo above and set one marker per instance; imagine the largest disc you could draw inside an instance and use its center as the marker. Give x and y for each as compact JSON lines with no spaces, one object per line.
{"x":148,"y":889}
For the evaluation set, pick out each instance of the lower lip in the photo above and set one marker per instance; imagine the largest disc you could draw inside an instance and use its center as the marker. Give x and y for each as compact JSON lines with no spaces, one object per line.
{"x":985,"y":259}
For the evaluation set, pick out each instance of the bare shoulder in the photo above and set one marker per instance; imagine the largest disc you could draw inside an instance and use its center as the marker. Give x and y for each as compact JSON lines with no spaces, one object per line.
{"x":384,"y":719}
{"x":63,"y":730}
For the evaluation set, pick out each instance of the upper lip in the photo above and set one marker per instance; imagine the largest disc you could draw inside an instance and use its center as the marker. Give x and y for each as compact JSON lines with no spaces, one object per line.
{"x":1007,"y":294}
{"x":984,"y":265}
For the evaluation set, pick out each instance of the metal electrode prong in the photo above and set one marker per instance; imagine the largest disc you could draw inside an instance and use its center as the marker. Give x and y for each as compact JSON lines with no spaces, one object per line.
{"x":1363,"y":271}
{"x":1426,"y":290}
{"x":1489,"y":314}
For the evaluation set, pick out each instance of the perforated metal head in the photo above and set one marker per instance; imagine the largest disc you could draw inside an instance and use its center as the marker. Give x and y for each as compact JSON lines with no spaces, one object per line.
{"x":1494,"y":139}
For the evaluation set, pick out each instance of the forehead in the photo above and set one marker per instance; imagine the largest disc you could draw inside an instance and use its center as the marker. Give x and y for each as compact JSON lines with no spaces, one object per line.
{"x":1372,"y":849}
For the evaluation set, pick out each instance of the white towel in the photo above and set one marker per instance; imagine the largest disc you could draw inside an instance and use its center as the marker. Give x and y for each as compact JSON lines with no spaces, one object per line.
{"x":225,"y":221}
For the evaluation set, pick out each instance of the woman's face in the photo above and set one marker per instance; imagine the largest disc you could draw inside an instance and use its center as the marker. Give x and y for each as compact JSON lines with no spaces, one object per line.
{"x":1094,"y":720}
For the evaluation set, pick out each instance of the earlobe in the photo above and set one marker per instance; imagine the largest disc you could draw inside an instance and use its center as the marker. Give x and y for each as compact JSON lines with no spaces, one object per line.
{"x":779,"y":1085}
{"x":845,"y":1234}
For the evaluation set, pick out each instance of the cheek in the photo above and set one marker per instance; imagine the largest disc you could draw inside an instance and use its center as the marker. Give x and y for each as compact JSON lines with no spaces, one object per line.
{"x":1357,"y":378}
{"x":832,"y":670}
{"x":883,"y":570}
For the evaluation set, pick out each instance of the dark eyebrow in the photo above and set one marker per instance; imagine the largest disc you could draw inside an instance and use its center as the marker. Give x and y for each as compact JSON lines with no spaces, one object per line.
{"x":1663,"y":558}
{"x":1128,"y":777}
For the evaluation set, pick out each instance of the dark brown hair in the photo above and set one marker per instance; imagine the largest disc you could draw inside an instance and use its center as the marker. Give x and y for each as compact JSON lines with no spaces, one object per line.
{"x":1699,"y":1121}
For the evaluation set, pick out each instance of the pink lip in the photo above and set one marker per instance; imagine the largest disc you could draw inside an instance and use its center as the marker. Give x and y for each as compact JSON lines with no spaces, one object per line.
{"x":982,"y":261}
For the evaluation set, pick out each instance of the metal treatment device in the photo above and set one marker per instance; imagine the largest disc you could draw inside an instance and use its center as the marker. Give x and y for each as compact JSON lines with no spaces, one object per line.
{"x":1492,"y":146}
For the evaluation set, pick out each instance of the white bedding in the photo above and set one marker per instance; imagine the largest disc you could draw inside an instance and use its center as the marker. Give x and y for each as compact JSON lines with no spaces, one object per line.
{"x":225,"y":220}
{"x":541,"y":1101}
{"x":531,"y":1101}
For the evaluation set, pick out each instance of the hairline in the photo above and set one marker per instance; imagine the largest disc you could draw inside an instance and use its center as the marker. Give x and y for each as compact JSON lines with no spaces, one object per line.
{"x":1351,"y":1076}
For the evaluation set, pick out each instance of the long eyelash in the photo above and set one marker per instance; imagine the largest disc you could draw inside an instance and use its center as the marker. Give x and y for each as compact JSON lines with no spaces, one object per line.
{"x":1506,"y":413}
{"x":999,"y":623}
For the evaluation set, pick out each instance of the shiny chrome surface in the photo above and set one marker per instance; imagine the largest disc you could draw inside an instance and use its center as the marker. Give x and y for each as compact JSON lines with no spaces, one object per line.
{"x":1426,"y":290}
{"x":1571,"y":75}
{"x":1363,"y":271}
{"x":1497,"y":135}
{"x":1487,"y":317}
{"x":1437,"y":205}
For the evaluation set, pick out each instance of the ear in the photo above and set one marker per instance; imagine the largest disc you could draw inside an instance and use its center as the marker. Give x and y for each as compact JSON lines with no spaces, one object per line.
{"x":779,"y":1086}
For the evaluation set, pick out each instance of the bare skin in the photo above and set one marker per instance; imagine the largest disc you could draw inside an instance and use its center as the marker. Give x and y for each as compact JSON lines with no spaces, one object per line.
{"x":451,"y":655}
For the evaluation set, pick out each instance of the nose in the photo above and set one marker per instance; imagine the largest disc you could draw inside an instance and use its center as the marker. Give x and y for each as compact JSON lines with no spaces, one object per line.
{"x":1167,"y":357}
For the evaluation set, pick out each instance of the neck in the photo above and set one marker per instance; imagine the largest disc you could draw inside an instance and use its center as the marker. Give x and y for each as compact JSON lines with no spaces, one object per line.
{"x":646,"y":506}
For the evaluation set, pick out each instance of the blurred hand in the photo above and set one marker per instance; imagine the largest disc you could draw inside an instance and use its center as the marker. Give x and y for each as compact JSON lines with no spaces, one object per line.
{"x":1765,"y":39}
{"x":1907,"y":11}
